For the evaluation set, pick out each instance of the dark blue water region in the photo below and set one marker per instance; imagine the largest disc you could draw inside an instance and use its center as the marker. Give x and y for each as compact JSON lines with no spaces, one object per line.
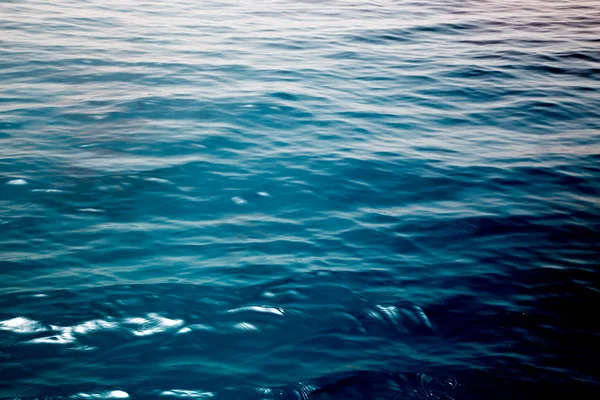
{"x":293,"y":199}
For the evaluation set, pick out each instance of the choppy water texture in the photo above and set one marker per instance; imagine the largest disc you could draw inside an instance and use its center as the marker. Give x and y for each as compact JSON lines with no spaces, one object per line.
{"x":299,"y":199}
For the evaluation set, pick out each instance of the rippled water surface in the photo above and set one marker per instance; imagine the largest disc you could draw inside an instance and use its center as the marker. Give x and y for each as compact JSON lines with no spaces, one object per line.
{"x":289,"y":199}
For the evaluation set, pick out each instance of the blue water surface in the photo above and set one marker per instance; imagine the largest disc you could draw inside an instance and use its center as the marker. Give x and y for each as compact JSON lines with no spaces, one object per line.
{"x":291,"y":199}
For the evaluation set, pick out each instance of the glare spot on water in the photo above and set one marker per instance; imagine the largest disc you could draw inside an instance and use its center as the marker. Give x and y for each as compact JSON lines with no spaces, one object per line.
{"x":95,"y":325}
{"x":17,"y":182}
{"x":114,"y":394}
{"x":289,"y":294}
{"x":138,"y":326}
{"x":21,"y":325}
{"x":403,"y":319}
{"x":201,"y":327}
{"x":153,"y":324}
{"x":264,"y":194}
{"x":238,"y":200}
{"x":158,"y":180}
{"x":136,"y":320}
{"x":270,"y":310}
{"x":187,"y":393}
{"x":48,"y":190}
{"x":245,"y":326}
{"x":86,"y":348}
{"x":165,"y":321}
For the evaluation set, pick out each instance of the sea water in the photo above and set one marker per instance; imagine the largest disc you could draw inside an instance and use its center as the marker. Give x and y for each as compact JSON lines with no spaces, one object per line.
{"x":289,"y":199}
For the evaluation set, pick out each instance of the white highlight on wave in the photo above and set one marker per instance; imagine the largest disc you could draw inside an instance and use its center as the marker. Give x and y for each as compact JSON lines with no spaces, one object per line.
{"x":17,"y":182}
{"x":238,"y":200}
{"x":66,"y":334}
{"x":113,"y":394}
{"x":154,"y":323}
{"x":245,"y":326}
{"x":157,"y":180}
{"x":261,"y":309}
{"x":187,"y":394}
{"x":21,"y":325}
{"x":195,"y":327}
{"x":48,"y":190}
{"x":140,"y":326}
{"x":401,"y":318}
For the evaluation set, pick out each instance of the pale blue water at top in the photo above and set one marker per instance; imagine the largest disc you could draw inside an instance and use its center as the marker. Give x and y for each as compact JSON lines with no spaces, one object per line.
{"x":289,"y":199}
